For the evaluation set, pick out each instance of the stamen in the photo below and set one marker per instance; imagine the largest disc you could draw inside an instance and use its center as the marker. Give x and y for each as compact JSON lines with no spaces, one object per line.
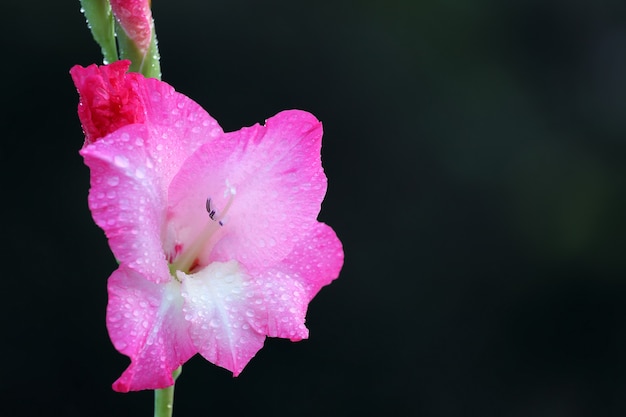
{"x":211,"y":211}
{"x":189,"y":256}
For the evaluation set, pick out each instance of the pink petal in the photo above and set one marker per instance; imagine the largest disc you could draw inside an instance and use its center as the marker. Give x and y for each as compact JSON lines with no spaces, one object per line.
{"x":126,"y":201}
{"x":231,"y":312}
{"x":285,"y":304}
{"x":135,"y":18}
{"x":288,"y":287}
{"x":145,"y":322}
{"x":108,"y":99}
{"x":316,"y":260}
{"x":177,"y":127}
{"x":222,"y":306}
{"x":279,"y":181}
{"x":131,"y":170}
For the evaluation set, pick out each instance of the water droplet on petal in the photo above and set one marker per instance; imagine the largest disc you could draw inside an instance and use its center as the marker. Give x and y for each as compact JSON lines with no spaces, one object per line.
{"x":121,"y":161}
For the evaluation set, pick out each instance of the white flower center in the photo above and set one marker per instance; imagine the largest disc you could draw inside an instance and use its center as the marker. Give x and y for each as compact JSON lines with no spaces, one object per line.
{"x":189,"y":257}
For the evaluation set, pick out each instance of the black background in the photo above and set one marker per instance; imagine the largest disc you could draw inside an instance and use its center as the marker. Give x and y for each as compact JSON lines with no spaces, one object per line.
{"x":475,"y":154}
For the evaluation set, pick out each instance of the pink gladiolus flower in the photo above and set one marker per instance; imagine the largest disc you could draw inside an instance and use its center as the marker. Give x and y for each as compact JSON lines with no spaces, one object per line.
{"x":216,"y":233}
{"x":135,"y":17}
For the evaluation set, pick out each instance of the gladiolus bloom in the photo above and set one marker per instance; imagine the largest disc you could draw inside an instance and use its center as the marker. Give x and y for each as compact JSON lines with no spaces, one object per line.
{"x":216,"y":233}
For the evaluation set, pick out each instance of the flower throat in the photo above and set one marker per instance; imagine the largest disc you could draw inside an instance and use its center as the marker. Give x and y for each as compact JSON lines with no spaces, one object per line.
{"x":188,"y":258}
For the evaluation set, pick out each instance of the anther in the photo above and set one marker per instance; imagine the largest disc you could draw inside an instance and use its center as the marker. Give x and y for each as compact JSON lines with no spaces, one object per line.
{"x":212,"y":211}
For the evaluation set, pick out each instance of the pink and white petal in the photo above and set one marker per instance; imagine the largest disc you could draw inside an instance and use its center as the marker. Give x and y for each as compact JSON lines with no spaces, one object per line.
{"x":126,"y":202}
{"x":285,"y":304}
{"x":145,"y":322}
{"x":288,"y":287}
{"x":222,"y":309}
{"x":277,"y":174}
{"x":177,"y":126}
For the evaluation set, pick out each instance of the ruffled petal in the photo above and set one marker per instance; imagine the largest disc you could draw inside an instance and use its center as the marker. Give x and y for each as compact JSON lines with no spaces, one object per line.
{"x":145,"y":322}
{"x":276,"y":173}
{"x":135,"y":17}
{"x":284,"y":306}
{"x":222,"y":306}
{"x":108,"y":99}
{"x":288,"y":287}
{"x":316,"y":260}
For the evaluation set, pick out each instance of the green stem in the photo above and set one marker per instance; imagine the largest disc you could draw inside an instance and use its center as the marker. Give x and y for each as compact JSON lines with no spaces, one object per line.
{"x":164,"y":398}
{"x":101,"y":22}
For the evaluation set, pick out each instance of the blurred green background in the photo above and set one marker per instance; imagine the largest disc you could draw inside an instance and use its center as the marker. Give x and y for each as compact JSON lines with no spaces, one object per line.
{"x":476,"y":160}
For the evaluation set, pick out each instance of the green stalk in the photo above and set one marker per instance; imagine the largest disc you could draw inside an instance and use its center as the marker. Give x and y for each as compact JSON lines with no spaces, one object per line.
{"x":102,"y":24}
{"x":164,"y":398}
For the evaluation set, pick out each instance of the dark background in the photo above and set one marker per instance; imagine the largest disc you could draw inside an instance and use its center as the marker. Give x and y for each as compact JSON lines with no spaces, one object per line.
{"x":476,"y":161}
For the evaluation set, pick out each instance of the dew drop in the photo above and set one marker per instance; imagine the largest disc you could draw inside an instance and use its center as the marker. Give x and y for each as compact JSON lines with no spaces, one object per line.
{"x":113,"y":181}
{"x":121,"y":161}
